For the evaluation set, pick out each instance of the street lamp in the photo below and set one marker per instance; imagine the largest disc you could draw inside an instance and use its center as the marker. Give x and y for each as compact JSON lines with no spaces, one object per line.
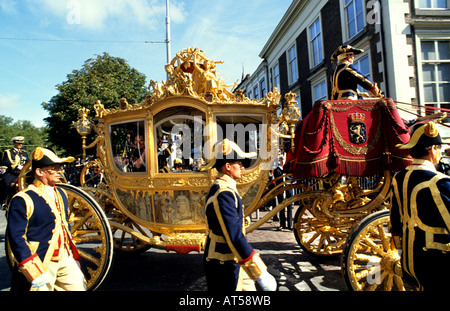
{"x":84,"y":127}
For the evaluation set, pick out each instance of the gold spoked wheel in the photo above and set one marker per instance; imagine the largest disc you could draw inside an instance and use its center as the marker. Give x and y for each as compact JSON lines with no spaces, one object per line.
{"x":122,"y":229}
{"x":92,"y":235}
{"x":370,"y":261}
{"x":320,"y":236}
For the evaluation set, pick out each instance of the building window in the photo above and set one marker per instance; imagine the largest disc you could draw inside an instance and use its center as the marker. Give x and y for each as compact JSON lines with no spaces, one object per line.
{"x":354,"y":13}
{"x":292,"y":59}
{"x":434,"y":4}
{"x":255,"y":92}
{"x":436,"y":73}
{"x":320,"y":90}
{"x":316,"y":42}
{"x":262,"y":83}
{"x":276,"y":76}
{"x":363,"y":65}
{"x":299,"y":104}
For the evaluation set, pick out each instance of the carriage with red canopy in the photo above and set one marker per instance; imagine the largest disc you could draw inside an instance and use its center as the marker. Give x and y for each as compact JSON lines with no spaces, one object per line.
{"x":150,"y":191}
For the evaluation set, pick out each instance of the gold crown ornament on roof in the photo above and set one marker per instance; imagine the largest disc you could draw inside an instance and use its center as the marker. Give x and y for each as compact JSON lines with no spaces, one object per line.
{"x":357,"y":117}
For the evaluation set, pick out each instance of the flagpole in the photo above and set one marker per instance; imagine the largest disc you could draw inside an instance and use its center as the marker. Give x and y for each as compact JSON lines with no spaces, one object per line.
{"x":168,"y":31}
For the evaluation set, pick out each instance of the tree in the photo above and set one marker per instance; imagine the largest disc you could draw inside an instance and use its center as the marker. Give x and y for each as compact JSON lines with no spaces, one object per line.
{"x":103,"y":78}
{"x":33,"y":136}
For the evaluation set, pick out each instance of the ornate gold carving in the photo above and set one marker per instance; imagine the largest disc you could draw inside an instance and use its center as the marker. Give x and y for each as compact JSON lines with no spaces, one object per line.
{"x":186,"y":239}
{"x":83,"y":126}
{"x":191,"y":73}
{"x":289,"y":117}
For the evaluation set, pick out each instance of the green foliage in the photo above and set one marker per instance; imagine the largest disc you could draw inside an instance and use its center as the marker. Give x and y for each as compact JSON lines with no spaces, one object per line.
{"x":33,"y":136}
{"x":103,"y":78}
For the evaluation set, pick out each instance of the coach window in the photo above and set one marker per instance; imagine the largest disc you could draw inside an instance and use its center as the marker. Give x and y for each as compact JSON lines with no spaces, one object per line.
{"x":179,"y":139}
{"x":128,"y":144}
{"x":247,"y":131}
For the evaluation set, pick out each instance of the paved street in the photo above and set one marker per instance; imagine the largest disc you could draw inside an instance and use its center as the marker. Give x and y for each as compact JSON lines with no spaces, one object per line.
{"x":157,"y":270}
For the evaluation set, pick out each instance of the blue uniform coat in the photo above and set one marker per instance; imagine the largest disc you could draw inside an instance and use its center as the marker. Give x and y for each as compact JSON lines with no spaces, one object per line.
{"x":38,"y":229}
{"x":345,"y":81}
{"x":420,"y":215}
{"x":226,"y":239}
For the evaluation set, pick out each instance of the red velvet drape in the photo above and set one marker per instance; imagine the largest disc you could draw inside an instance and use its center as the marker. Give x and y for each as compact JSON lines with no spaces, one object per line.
{"x":323,"y":144}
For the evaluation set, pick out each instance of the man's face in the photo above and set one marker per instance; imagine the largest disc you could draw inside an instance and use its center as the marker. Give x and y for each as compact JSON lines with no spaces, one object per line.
{"x":234,"y":169}
{"x":49,"y":175}
{"x":139,"y":142}
{"x":350,"y":58}
{"x":436,"y":154}
{"x":18,"y":145}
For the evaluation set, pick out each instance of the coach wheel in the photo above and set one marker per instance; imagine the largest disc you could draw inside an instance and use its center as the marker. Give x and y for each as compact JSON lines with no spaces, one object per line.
{"x":92,"y":235}
{"x":320,"y":236}
{"x":369,"y":260}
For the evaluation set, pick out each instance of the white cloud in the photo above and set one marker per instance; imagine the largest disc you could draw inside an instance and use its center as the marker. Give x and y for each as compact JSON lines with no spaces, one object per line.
{"x":9,"y":101}
{"x":96,"y":14}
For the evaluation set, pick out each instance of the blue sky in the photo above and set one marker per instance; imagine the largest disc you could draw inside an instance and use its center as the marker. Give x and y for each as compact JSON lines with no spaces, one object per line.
{"x":41,"y":41}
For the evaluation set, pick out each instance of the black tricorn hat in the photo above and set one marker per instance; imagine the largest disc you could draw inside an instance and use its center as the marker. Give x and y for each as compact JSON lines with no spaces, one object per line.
{"x":228,"y":151}
{"x":42,"y":157}
{"x":343,"y":50}
{"x":423,"y":136}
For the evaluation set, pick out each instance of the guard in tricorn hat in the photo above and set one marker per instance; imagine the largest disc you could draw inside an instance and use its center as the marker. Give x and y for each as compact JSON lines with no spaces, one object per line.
{"x":227,"y":249}
{"x":347,"y":77}
{"x":42,"y":157}
{"x":420,"y":212}
{"x":14,"y":159}
{"x":38,"y":232}
{"x":228,"y":151}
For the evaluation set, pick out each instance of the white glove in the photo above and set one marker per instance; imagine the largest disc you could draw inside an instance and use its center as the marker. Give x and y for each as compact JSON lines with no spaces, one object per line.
{"x":40,"y":280}
{"x":267,"y":282}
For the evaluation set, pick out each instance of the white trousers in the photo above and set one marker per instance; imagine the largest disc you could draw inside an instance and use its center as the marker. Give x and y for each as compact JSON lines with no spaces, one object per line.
{"x":65,"y":275}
